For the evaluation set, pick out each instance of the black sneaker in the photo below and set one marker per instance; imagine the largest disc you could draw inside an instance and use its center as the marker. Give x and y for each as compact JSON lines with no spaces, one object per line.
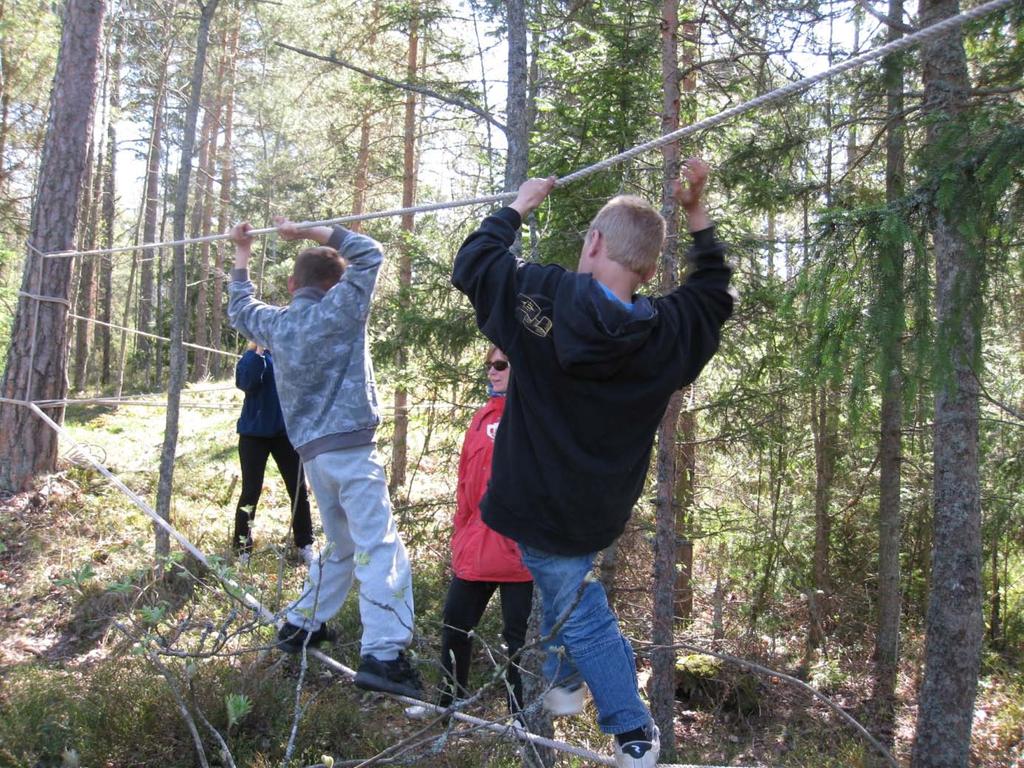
{"x":395,"y":676}
{"x":291,"y":639}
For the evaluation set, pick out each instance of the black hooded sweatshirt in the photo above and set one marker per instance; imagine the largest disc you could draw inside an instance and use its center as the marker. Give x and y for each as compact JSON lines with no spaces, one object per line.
{"x":590,"y":383}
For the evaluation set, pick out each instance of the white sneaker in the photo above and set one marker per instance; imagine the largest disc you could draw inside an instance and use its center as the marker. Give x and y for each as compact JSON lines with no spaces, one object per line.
{"x":639,"y":754}
{"x":307,"y":555}
{"x":561,"y":701}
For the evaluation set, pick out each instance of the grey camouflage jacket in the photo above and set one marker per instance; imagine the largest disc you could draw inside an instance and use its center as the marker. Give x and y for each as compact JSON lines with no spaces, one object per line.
{"x":321,"y":353}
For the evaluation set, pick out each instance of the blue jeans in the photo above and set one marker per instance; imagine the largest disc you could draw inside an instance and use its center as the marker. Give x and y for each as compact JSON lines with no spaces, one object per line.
{"x":594,"y":649}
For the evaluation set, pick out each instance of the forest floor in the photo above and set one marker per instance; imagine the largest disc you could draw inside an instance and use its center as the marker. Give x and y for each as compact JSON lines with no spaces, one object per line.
{"x":101,"y":653}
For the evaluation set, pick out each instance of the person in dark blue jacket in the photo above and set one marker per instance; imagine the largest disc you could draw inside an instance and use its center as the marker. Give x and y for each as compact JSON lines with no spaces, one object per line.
{"x":261,"y":434}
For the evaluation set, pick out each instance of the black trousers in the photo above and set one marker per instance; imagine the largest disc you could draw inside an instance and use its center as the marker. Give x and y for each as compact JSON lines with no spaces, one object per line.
{"x":253,"y":453}
{"x":463,"y":608}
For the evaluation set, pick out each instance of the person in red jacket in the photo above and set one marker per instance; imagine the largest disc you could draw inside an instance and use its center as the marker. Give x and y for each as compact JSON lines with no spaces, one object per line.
{"x":482,"y":560}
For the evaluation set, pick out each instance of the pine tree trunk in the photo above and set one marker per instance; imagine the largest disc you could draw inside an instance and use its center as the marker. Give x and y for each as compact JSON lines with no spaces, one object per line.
{"x":106,"y":262}
{"x":400,"y":440}
{"x":178,"y":362}
{"x":954,"y":622}
{"x":890,"y":445}
{"x":224,"y":215}
{"x":85,"y":305}
{"x":362,"y":174}
{"x":824,"y":422}
{"x":147,"y":298}
{"x":36,"y":360}
{"x":204,"y":206}
{"x":662,"y":686}
{"x":516,"y":114}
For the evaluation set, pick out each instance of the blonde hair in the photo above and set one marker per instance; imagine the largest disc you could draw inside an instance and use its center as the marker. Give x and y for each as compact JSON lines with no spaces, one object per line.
{"x":633,"y":232}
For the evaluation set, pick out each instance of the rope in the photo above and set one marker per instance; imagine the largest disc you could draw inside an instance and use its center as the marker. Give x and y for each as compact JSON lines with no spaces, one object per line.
{"x":269,"y":617}
{"x":118,"y":401}
{"x":151,"y":335}
{"x":932,"y":31}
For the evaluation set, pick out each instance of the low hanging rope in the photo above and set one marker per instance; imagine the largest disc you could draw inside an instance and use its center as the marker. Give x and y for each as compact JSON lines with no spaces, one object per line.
{"x":783,"y":92}
{"x":264,"y":613}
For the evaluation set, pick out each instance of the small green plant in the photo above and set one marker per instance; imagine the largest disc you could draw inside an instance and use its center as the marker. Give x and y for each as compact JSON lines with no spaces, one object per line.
{"x":78,"y":578}
{"x":238,"y":705}
{"x":153,"y":614}
{"x":826,"y":675}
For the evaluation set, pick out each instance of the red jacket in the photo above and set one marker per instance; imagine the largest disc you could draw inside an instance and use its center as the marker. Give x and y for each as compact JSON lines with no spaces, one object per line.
{"x":478,"y":553}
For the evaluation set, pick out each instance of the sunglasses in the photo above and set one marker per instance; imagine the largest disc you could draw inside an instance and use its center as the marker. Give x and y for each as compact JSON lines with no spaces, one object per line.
{"x":498,"y":365}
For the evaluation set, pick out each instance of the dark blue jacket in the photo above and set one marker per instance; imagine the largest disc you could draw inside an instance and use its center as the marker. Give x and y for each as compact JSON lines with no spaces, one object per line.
{"x":261,"y":411}
{"x":592,"y":380}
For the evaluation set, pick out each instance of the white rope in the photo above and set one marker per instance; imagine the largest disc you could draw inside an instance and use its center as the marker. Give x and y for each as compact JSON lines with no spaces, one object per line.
{"x":934,"y":30}
{"x":264,"y":613}
{"x":151,"y":335}
{"x":118,"y":401}
{"x":269,"y":617}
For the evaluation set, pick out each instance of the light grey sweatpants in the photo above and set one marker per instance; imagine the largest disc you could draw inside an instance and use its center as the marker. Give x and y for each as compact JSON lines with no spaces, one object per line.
{"x":362,"y":540}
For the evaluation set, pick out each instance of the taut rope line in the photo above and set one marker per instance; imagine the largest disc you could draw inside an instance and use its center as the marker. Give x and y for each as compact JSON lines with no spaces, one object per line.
{"x":935,"y":30}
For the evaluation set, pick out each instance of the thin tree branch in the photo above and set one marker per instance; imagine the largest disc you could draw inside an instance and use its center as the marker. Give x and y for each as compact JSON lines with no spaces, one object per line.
{"x":899,"y":26}
{"x":454,"y":101}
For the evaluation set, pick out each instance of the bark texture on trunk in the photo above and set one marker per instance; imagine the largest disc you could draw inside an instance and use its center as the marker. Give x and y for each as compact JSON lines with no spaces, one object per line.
{"x":954,"y":623}
{"x":36,"y":366}
{"x":662,"y":685}
{"x":890,"y":444}
{"x":400,"y":439}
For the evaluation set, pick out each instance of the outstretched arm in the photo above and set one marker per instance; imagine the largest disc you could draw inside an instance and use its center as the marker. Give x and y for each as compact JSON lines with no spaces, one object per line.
{"x":485,"y":268}
{"x":247,"y":315}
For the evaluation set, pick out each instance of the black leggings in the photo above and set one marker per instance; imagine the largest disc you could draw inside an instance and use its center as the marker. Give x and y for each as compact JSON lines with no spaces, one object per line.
{"x":253,"y":453}
{"x":463,"y":608}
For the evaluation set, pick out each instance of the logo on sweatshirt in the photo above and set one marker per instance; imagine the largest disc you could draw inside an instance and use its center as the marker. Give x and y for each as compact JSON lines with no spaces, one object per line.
{"x":532,"y":317}
{"x":492,"y":430}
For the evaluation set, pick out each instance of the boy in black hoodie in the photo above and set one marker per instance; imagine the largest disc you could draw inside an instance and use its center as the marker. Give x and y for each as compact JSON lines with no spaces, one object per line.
{"x":595,"y":367}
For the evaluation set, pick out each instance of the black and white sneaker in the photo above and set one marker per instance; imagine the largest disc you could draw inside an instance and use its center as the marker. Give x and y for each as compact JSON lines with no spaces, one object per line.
{"x":394,"y":676}
{"x":639,"y":753}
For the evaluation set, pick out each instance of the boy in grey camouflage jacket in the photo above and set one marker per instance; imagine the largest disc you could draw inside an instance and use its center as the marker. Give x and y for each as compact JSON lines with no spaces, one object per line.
{"x":329,"y":400}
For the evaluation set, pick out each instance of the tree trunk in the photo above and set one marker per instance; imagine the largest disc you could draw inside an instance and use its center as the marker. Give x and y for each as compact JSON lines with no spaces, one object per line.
{"x":362,"y":174}
{"x":36,"y":361}
{"x":824,"y":420}
{"x":85,"y":305}
{"x":516,"y":115}
{"x":662,"y":686}
{"x":204,"y":207}
{"x":686,"y":471}
{"x":178,"y":363}
{"x":106,"y":263}
{"x":686,"y":455}
{"x":890,"y":444}
{"x":400,"y":440}
{"x":224,"y":215}
{"x":147,"y":284}
{"x":954,"y":622}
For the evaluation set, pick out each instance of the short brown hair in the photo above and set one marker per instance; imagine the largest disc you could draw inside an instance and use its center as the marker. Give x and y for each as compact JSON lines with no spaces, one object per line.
{"x":318,"y":267}
{"x":633,"y":232}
